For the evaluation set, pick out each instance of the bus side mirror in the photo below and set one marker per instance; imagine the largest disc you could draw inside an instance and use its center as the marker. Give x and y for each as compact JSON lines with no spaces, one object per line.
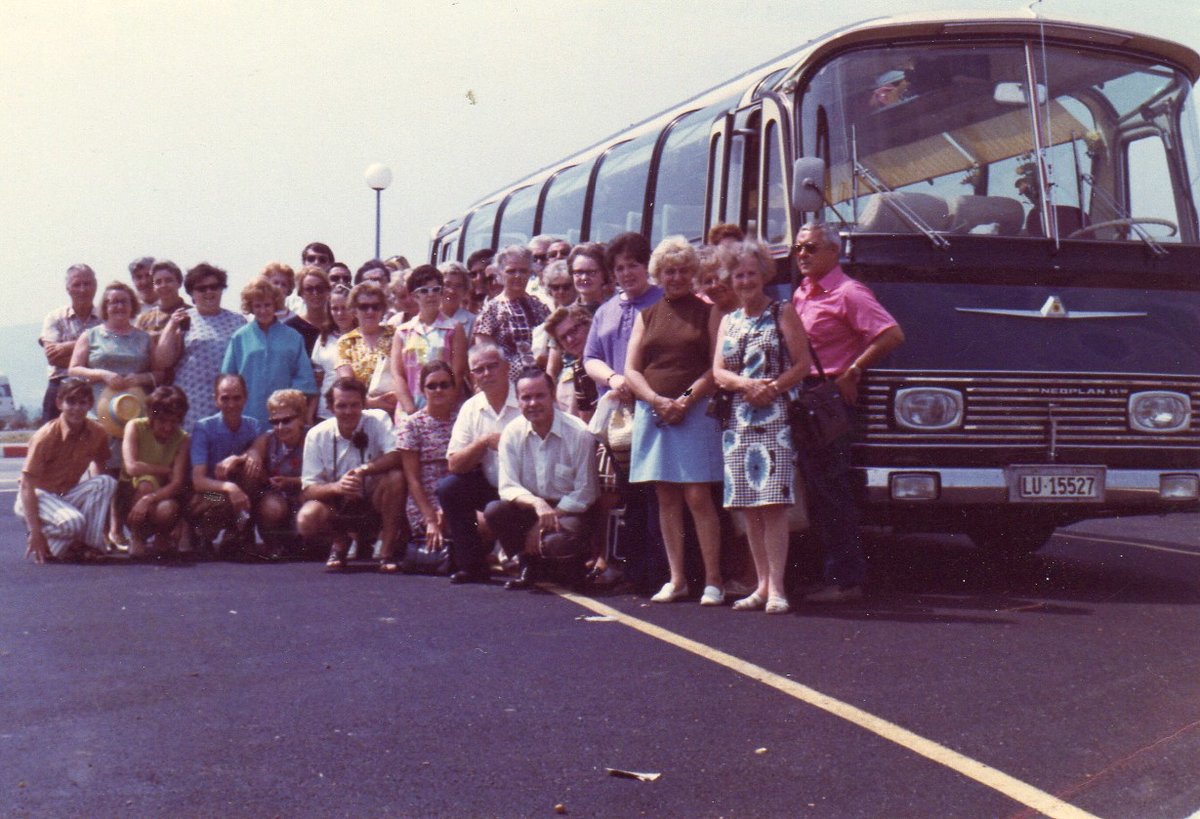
{"x":1014,"y":93}
{"x":808,"y":184}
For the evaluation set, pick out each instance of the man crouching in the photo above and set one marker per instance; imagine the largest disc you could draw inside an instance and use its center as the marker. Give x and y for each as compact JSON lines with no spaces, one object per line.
{"x":67,"y":517}
{"x":548,"y":485}
{"x":350,"y":482}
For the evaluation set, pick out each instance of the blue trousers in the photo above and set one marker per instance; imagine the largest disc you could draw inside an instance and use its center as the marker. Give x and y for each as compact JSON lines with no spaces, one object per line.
{"x":461,"y":497}
{"x":833,"y":512}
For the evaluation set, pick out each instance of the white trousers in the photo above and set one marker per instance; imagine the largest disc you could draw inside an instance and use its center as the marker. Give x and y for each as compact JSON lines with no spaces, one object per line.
{"x":79,"y":516}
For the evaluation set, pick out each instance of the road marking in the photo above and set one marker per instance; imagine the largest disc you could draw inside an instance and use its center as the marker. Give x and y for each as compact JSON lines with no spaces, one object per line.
{"x":986,"y":775}
{"x":1133,"y":543}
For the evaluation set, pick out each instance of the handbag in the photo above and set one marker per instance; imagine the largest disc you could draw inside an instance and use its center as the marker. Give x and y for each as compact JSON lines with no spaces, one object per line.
{"x":420,"y":559}
{"x":720,"y":406}
{"x":817,"y":413}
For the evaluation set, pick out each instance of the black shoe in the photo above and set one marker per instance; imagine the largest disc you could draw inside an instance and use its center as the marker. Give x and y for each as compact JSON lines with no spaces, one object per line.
{"x":522,"y":581}
{"x":463,"y":576}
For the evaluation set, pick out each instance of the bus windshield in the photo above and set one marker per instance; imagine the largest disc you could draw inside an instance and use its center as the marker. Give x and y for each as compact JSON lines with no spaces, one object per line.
{"x":954,"y":135}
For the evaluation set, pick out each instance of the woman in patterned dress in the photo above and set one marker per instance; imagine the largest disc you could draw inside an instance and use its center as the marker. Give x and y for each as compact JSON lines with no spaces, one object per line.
{"x":194,"y":341}
{"x":508,"y":319}
{"x":362,"y":349}
{"x":423,"y":439}
{"x":427,"y":336}
{"x":760,"y":463}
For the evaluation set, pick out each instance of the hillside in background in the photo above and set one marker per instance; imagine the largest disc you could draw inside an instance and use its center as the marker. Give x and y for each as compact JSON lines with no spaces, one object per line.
{"x":22,"y":361}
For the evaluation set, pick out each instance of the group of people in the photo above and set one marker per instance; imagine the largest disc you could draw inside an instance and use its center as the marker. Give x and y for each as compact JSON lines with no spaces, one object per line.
{"x":464,"y":416}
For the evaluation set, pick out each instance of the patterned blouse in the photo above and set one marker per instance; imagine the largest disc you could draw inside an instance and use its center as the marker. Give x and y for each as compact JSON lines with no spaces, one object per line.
{"x":430,"y":439}
{"x":510,"y":323}
{"x":352,"y":349}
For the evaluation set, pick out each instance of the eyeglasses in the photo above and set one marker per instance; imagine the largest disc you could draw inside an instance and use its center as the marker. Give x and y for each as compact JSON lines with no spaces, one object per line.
{"x":483,"y":369}
{"x":368,"y":306}
{"x":278,"y":422}
{"x":585,"y":272}
{"x":428,"y":290}
{"x":807,"y":247}
{"x":208,"y":288}
{"x":438,"y":385}
{"x":340,"y":278}
{"x":559,"y":254}
{"x":314,"y":290}
{"x":565,"y":287}
{"x":540,"y":257}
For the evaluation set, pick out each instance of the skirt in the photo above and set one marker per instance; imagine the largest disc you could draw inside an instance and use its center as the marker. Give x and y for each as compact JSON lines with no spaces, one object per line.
{"x":687,"y":452}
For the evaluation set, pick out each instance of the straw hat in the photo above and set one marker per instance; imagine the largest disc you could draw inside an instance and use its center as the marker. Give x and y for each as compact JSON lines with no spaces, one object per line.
{"x":116,"y":407}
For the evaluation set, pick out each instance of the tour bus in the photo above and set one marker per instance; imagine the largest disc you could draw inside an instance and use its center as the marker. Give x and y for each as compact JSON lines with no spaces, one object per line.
{"x":1017,"y":191}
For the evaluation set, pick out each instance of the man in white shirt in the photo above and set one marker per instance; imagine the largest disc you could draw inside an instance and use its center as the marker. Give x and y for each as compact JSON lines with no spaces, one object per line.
{"x":348,"y":479}
{"x":548,"y":484}
{"x":474,"y":465}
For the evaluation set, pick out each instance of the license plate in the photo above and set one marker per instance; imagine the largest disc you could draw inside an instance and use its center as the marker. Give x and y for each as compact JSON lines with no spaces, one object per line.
{"x":1055,"y":483}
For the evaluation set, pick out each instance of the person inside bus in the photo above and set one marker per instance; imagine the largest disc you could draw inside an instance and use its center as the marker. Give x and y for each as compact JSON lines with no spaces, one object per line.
{"x":508,"y":320}
{"x":62,"y":327}
{"x":477,"y":289}
{"x":66,"y":513}
{"x":850,"y":332}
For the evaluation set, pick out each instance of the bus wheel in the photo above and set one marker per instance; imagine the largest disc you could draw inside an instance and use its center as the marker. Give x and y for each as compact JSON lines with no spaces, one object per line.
{"x":1010,"y":536}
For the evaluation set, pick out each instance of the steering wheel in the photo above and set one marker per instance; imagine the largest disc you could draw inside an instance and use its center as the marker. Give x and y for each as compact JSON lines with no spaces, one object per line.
{"x":1125,"y":223}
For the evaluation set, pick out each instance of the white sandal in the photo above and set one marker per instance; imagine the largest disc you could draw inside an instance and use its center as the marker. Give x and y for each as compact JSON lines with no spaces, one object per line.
{"x":752,"y":603}
{"x":669,"y":593}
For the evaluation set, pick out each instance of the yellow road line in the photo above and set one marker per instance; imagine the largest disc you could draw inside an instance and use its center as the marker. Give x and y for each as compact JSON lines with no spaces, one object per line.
{"x":986,"y":775}
{"x":1128,"y":543}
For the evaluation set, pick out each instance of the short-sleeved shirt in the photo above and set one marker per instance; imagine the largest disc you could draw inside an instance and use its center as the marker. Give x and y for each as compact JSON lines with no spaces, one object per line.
{"x":477,"y":418}
{"x":328,"y":455}
{"x":612,"y":327}
{"x":430,"y":439}
{"x":269,"y":360}
{"x":57,"y":457}
{"x":62,"y":325}
{"x":841,"y":317}
{"x":213,"y":441}
{"x":352,"y":349}
{"x":510,"y":323}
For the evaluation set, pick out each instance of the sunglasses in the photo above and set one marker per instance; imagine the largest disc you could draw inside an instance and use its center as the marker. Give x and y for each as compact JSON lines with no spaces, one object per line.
{"x":340,"y":279}
{"x":369,"y":306}
{"x":438,"y":385}
{"x":278,"y":422}
{"x":540,"y":257}
{"x":428,"y":290}
{"x":208,"y":288}
{"x":316,"y":259}
{"x":807,"y":247}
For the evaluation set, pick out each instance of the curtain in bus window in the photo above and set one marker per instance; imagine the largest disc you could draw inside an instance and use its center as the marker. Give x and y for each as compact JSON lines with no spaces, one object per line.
{"x":516,"y":223}
{"x":562,"y":214}
{"x":479,"y":229}
{"x":621,"y":189}
{"x":682,"y":174}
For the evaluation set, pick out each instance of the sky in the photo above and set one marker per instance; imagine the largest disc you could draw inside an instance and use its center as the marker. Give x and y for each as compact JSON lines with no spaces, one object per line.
{"x":236,"y":132}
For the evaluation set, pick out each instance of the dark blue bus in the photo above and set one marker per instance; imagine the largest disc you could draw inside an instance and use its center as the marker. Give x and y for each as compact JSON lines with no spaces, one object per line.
{"x":1020,"y":194}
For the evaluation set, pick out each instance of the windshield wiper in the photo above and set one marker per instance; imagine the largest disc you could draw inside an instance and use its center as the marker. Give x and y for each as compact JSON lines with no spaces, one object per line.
{"x":902,"y":210}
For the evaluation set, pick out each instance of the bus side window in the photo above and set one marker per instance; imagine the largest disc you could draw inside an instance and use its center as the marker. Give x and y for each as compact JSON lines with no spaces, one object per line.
{"x":479,"y":229}
{"x":516,"y":221}
{"x":562,"y":211}
{"x":679,"y":192}
{"x":621,"y":188}
{"x":775,"y":198}
{"x":1148,"y":197}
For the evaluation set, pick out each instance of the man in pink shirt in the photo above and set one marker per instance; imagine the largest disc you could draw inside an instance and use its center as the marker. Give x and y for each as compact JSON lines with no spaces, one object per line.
{"x":850,"y":332}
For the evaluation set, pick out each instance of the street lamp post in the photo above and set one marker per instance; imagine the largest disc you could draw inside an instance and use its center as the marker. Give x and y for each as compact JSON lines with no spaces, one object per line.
{"x":378,"y":177}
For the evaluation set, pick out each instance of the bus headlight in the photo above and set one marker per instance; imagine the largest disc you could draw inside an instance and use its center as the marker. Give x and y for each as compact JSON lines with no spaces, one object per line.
{"x":1159,"y":411}
{"x":927,"y":409}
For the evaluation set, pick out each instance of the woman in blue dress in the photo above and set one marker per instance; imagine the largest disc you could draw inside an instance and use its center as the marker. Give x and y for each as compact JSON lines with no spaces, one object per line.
{"x":760,"y":463}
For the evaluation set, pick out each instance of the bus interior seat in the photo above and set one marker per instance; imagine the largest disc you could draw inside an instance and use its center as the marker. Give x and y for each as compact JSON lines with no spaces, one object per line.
{"x":967,"y":213}
{"x":880,"y":217}
{"x":1070,"y":219}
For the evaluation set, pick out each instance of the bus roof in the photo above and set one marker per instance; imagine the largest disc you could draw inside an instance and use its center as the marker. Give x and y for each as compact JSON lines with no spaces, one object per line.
{"x":789,"y":67}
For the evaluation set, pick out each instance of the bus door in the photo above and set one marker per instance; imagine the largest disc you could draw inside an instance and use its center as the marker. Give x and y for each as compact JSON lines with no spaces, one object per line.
{"x":775,"y":140}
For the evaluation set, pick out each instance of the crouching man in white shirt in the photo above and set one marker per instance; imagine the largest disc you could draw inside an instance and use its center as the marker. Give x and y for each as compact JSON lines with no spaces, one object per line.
{"x":350,"y":482}
{"x":548,"y":485}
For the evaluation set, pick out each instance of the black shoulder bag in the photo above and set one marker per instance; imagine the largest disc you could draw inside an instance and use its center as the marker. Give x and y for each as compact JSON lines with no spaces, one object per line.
{"x":817,"y":413}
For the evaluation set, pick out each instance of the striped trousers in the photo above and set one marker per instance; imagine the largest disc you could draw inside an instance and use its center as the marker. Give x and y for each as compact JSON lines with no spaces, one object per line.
{"x":79,"y":516}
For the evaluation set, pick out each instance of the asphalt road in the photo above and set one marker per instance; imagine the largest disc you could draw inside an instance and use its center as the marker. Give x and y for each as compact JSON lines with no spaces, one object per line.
{"x":1066,"y":683}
